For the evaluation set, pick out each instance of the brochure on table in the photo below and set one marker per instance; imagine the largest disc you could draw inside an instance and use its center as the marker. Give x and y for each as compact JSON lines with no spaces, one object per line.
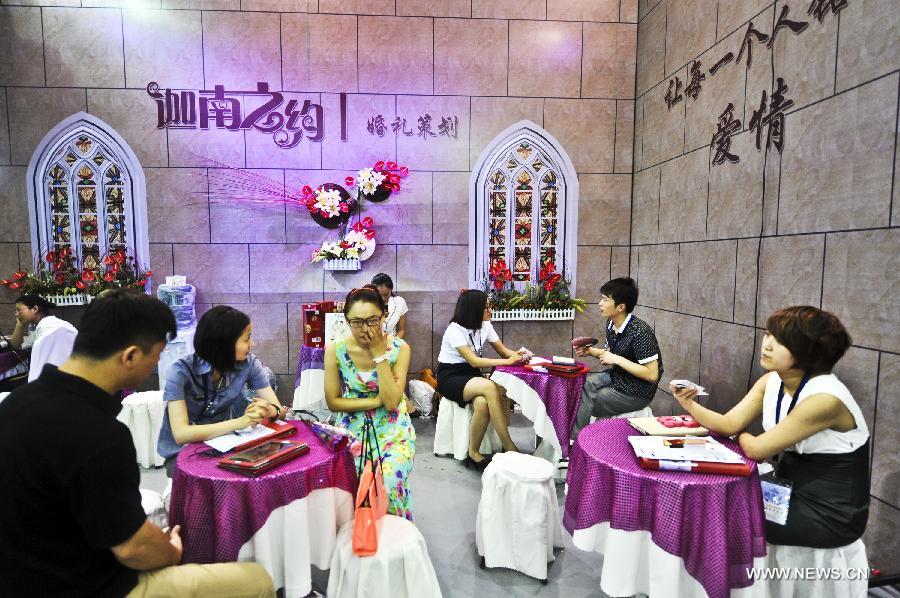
{"x":697,"y":450}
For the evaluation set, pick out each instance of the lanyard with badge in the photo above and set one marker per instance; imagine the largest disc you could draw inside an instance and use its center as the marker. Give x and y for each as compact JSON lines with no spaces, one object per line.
{"x":777,"y":491}
{"x":479,"y":348}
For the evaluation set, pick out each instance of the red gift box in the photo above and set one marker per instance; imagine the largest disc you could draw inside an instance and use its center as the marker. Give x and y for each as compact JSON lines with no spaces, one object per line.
{"x":314,"y":322}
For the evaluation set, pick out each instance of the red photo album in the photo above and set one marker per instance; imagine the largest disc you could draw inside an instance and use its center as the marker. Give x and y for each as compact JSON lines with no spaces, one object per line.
{"x":263,"y":457}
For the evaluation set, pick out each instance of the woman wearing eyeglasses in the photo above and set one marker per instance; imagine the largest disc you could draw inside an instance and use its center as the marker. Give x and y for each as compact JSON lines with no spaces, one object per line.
{"x":460,"y":380}
{"x":366,"y":372}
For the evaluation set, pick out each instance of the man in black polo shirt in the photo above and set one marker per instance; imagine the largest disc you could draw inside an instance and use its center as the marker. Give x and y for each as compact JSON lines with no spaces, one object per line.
{"x":71,"y":522}
{"x":632,"y":351}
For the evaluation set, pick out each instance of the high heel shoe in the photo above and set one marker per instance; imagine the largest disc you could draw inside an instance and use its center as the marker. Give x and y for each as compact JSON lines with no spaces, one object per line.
{"x":479,"y":465}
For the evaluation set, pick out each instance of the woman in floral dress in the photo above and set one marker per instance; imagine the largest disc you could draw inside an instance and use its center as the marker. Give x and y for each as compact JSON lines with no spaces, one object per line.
{"x":366,"y":373}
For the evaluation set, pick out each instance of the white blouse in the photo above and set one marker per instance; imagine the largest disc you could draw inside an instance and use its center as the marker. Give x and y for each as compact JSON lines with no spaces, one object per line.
{"x":457,"y":336}
{"x":826,"y":441}
{"x":397,"y":308}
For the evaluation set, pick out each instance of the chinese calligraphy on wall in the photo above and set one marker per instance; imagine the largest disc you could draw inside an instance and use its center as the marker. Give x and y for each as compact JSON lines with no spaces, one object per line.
{"x":289,"y":122}
{"x":769,"y":117}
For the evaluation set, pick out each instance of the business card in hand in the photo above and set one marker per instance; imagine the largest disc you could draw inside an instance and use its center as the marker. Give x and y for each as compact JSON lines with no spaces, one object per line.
{"x":688,"y":384}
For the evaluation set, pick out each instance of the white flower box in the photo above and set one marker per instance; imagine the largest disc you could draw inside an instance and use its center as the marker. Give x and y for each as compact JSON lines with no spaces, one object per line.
{"x":346,"y":265}
{"x":68,"y":300}
{"x":533,"y":314}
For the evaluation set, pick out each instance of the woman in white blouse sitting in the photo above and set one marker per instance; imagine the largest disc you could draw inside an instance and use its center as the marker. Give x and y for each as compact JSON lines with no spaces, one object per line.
{"x":460,"y":380}
{"x":813,"y":422}
{"x":395,"y":320}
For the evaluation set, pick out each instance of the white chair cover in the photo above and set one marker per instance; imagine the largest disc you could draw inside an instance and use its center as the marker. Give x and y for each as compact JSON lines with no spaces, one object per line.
{"x":518,"y":522}
{"x":310,"y":395}
{"x":53,"y":347}
{"x":400,"y":569}
{"x":154,"y":508}
{"x":451,"y":434}
{"x":298,"y":535}
{"x":142,"y":412}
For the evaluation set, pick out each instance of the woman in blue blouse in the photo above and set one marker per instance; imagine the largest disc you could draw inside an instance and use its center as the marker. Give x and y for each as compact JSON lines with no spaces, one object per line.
{"x":204,"y":391}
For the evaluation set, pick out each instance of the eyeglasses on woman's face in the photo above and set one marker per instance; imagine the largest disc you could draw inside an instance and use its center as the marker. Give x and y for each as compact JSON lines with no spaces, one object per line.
{"x":357,"y":323}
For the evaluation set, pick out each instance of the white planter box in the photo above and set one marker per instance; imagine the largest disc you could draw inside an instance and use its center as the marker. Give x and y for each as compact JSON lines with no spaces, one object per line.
{"x":533,"y":314}
{"x":69,"y":300}
{"x":347,"y":265}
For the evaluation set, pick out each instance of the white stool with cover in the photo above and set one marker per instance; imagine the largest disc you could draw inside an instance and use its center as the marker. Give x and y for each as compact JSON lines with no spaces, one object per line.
{"x":400,"y":569}
{"x":451,"y":434}
{"x":518,"y":523}
{"x":142,"y":412}
{"x":53,"y":347}
{"x":154,"y":508}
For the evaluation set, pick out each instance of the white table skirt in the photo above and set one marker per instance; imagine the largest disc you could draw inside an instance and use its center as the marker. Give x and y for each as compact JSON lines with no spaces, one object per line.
{"x":310,"y":395}
{"x":142,"y":413}
{"x":297,"y":536}
{"x":633,"y":564}
{"x":534,"y":409}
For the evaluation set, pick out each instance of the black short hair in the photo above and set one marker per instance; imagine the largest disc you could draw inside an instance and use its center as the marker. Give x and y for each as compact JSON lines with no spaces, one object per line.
{"x":32,"y":301}
{"x":365,"y":294}
{"x":469,"y":312}
{"x":217,"y":333}
{"x":815,"y":338}
{"x":621,"y":290}
{"x":383,"y":280}
{"x":121,"y":318}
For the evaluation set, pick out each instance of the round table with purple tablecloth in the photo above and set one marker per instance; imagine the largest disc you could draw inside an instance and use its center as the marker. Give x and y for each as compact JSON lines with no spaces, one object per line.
{"x":667,"y":533}
{"x":560,"y":397}
{"x":286,"y":519}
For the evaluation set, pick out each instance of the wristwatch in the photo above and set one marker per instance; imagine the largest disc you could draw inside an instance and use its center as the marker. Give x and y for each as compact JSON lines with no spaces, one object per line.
{"x":379,"y":359}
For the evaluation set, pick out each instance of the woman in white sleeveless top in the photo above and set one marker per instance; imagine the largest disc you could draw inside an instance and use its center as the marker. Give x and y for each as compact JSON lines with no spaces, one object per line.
{"x":812,"y":420}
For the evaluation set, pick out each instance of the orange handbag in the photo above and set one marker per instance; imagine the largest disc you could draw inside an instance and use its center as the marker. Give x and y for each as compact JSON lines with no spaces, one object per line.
{"x":371,"y":496}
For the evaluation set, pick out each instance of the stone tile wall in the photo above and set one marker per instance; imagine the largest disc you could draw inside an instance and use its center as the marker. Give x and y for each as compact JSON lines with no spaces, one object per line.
{"x":567,"y":65}
{"x":717,"y":248}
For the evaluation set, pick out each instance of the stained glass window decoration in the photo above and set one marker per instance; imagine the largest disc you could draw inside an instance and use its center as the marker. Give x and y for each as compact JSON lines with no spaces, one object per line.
{"x":115,"y":230}
{"x":86,"y":166}
{"x":541,"y":189}
{"x":523,"y":223}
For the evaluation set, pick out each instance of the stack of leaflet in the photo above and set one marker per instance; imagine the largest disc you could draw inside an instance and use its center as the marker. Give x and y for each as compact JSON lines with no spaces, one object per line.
{"x":692,"y":454}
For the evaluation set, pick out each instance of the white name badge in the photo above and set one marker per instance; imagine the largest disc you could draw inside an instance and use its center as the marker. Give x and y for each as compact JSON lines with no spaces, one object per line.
{"x":776,"y":498}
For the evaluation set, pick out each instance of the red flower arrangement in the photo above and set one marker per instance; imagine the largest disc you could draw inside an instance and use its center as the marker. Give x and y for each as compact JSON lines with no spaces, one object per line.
{"x":58,"y":274}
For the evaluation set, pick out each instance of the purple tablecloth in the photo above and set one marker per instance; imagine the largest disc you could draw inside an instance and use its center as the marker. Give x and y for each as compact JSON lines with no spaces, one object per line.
{"x":9,"y":360}
{"x":310,"y":358}
{"x":220,"y":510}
{"x":561,"y":396}
{"x":714,"y":523}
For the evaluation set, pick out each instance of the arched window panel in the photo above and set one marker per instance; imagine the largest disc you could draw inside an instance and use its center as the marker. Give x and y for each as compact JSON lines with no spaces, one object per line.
{"x":524,"y":206}
{"x":87,"y":192}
